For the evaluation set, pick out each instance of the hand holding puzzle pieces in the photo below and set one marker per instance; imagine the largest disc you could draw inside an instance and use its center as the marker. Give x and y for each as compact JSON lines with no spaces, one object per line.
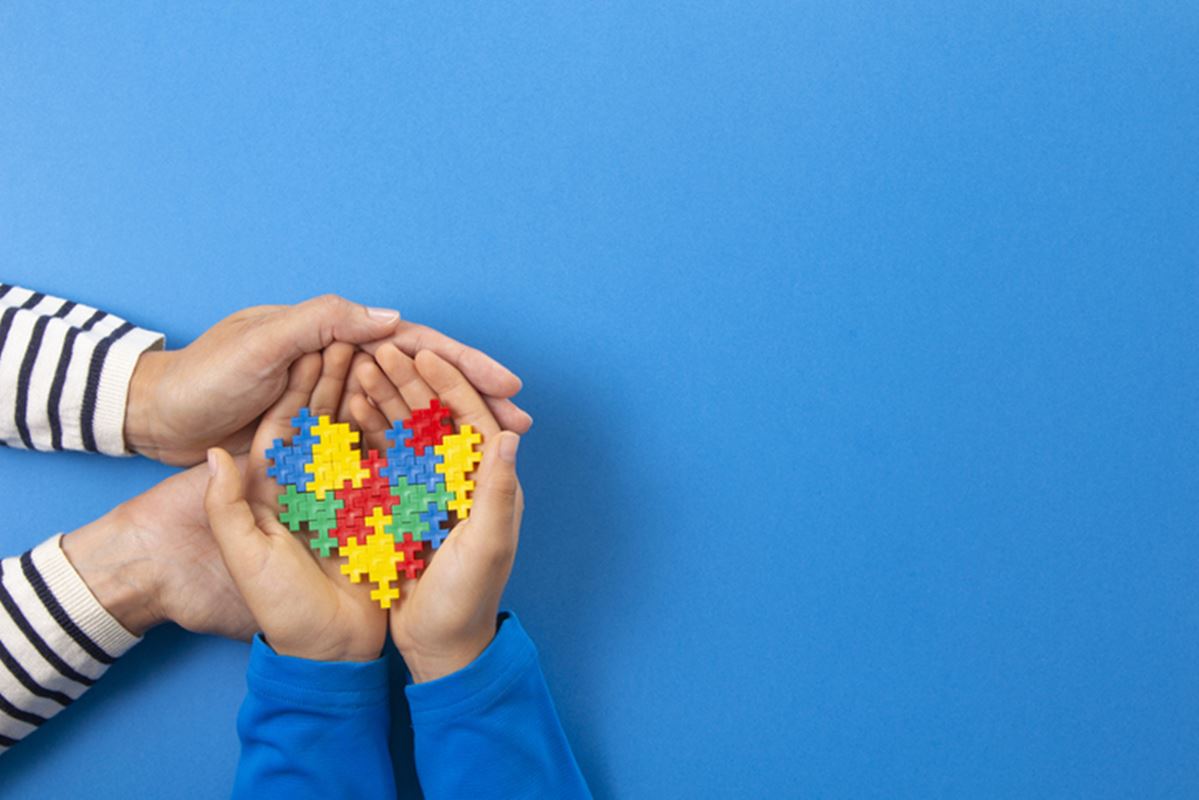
{"x":377,"y":512}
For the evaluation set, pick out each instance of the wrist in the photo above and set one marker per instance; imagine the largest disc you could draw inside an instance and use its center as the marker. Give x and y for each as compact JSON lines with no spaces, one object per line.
{"x":429,"y":664}
{"x":142,"y":408}
{"x":106,"y":555}
{"x":325,"y":653}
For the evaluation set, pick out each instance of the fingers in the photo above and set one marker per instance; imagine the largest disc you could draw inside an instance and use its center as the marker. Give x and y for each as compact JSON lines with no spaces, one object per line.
{"x":482,"y":370}
{"x":335,"y":367}
{"x":314,"y":324}
{"x":370,"y":421}
{"x":510,"y":416}
{"x":276,"y":422}
{"x":401,"y":371}
{"x":352,"y":386}
{"x":494,"y":524}
{"x":242,"y":544}
{"x":457,"y":392}
{"x":382,"y":392}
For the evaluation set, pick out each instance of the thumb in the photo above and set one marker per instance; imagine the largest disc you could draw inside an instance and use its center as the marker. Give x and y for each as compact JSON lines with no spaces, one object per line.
{"x":229,"y":515}
{"x":315,"y":324}
{"x":495,"y":513}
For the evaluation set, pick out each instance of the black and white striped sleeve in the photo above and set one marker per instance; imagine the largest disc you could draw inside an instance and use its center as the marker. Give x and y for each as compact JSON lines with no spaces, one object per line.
{"x":64,"y":372}
{"x":56,"y":639}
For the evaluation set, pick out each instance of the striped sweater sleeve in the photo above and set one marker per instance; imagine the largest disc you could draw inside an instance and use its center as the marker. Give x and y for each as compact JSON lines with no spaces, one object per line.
{"x":56,"y":639}
{"x":64,"y":372}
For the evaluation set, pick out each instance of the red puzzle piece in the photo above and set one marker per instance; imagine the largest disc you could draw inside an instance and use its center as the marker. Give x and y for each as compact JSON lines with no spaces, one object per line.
{"x":428,"y":426}
{"x":411,"y":565}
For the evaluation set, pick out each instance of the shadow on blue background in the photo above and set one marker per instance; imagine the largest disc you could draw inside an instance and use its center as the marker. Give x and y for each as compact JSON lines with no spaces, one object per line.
{"x":861,"y":342}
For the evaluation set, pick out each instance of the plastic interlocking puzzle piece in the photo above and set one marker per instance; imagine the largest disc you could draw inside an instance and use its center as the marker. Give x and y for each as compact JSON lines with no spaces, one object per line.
{"x":373,"y":462}
{"x":376,"y":560}
{"x":428,"y":426}
{"x":324,"y":519}
{"x":460,"y":455}
{"x":351,"y":519}
{"x":304,"y":421}
{"x":438,"y":526}
{"x":288,"y":464}
{"x":378,"y":521}
{"x":297,"y":507}
{"x":335,"y":459}
{"x":412,"y":502}
{"x":323,"y":543}
{"x":403,"y":462}
{"x":376,"y":488}
{"x":410,"y":548}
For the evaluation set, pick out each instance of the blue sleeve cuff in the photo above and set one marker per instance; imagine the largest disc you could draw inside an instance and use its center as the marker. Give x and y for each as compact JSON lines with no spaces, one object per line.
{"x":315,"y":684}
{"x":478,"y":684}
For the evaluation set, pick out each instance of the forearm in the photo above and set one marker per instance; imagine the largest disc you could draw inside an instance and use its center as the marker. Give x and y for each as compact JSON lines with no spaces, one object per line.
{"x":491,"y":730}
{"x":65,"y":373}
{"x":56,"y":639}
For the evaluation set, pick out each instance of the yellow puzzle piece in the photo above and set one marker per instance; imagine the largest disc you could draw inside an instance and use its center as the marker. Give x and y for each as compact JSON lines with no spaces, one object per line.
{"x":335,"y":459}
{"x":458,"y":458}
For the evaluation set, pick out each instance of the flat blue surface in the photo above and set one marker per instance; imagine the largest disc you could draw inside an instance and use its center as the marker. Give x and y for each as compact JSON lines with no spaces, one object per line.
{"x":863,"y":347}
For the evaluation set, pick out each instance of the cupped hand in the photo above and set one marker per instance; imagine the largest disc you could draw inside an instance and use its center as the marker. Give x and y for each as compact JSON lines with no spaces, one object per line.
{"x":302,"y":603}
{"x":153,"y":559}
{"x":212,"y":392}
{"x":447,"y":617}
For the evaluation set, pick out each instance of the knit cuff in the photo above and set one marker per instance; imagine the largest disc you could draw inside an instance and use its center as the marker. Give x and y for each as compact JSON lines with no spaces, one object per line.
{"x":113,"y":392}
{"x":80,"y":605}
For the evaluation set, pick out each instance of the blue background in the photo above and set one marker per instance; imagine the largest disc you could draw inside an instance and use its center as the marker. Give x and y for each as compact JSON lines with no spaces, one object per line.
{"x":861,"y":342}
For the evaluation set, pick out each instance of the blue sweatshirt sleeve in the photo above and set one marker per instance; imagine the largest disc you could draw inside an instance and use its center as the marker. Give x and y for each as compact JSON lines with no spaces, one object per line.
{"x":490,"y":729}
{"x":313,"y":729}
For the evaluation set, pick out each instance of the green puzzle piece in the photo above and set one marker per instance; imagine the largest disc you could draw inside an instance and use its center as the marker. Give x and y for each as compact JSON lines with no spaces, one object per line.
{"x":320,"y":516}
{"x":323,"y":542}
{"x":415,"y":499}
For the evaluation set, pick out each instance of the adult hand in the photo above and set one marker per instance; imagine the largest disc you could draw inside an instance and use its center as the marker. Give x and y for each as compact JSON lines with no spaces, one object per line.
{"x":303,"y":604}
{"x":211,"y":393}
{"x":153,"y":559}
{"x":447,"y":617}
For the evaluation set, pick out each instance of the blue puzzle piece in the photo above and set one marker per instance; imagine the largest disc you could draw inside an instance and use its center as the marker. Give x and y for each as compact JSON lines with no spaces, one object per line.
{"x":287,"y":465}
{"x":435,"y":516}
{"x":277,"y":453}
{"x":403,"y":462}
{"x":416,"y":469}
{"x":306,"y":439}
{"x":304,"y":421}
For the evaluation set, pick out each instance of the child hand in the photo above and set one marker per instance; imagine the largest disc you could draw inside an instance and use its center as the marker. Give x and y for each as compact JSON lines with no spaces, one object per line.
{"x":302,"y":604}
{"x":447,"y":617}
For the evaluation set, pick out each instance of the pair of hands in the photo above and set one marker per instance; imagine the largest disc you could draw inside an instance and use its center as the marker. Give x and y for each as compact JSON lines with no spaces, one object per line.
{"x":154,"y":558}
{"x":302,"y":603}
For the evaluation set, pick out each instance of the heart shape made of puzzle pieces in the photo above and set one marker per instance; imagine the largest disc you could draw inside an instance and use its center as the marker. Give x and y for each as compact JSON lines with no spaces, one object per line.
{"x":378,"y":513}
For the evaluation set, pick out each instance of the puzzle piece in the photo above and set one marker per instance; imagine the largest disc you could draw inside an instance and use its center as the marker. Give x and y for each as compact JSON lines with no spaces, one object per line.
{"x":409,"y":549}
{"x":376,"y":560}
{"x":460,"y":455}
{"x":335,"y":459}
{"x":428,"y":427}
{"x":288,"y":464}
{"x":439,"y":526}
{"x":413,"y":504}
{"x":403,"y":462}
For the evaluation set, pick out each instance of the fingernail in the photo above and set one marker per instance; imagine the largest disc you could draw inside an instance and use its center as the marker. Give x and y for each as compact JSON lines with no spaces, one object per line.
{"x":382,"y":314}
{"x":211,"y":463}
{"x":508,"y":444}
